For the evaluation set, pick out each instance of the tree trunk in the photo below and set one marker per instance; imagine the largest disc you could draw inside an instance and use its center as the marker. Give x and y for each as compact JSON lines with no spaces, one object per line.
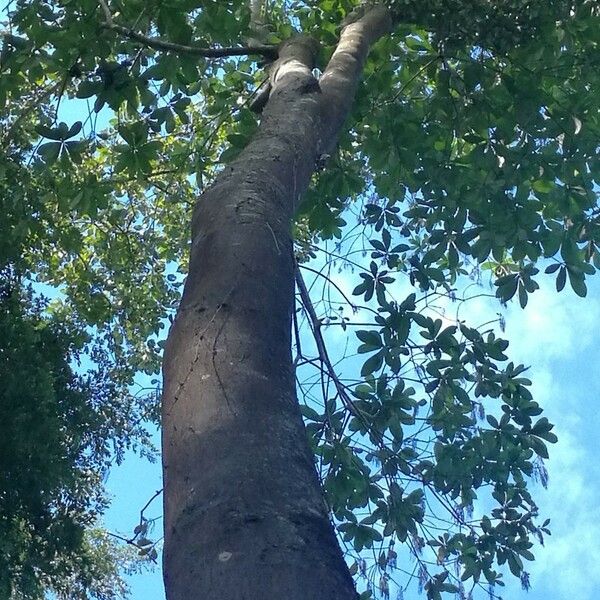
{"x":244,"y":512}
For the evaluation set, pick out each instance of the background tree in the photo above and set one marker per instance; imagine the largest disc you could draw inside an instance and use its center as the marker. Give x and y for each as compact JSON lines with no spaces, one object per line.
{"x":465,"y":142}
{"x":61,"y":430}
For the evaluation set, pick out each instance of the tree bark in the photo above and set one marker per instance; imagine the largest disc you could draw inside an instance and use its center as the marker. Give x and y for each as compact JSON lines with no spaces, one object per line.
{"x":244,"y":513}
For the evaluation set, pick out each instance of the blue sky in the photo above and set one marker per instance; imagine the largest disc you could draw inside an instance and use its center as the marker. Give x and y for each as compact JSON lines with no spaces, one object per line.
{"x":557,"y":336}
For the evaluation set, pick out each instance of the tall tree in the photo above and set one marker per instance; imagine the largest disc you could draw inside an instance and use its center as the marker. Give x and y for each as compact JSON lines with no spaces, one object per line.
{"x":465,"y":132}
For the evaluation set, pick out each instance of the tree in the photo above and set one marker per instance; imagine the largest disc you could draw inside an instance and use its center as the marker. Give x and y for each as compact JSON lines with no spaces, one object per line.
{"x":53,"y":453}
{"x":466,"y":132}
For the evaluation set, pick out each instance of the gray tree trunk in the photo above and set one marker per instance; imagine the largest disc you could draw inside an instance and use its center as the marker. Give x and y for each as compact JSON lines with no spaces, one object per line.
{"x":244,"y":512}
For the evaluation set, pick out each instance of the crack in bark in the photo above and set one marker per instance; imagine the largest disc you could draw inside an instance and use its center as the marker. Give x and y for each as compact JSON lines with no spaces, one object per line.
{"x":197,"y":351}
{"x":214,"y":364}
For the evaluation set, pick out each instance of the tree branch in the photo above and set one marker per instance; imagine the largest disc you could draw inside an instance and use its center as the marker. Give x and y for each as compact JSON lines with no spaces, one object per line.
{"x":106,"y":11}
{"x":266,"y":50}
{"x":342,"y":74}
{"x":315,"y":325}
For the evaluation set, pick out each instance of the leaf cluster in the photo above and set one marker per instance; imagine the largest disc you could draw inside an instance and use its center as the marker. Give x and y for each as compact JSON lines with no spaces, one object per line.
{"x":60,"y":432}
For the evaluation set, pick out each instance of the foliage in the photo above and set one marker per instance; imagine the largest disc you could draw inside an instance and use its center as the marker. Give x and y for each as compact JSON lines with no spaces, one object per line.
{"x":60,"y":431}
{"x":471,"y":150}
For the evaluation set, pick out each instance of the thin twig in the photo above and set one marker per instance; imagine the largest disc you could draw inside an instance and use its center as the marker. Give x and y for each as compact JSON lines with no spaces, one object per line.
{"x":405,"y":85}
{"x":154,"y":496}
{"x":299,"y":355}
{"x":315,"y":325}
{"x":330,"y":281}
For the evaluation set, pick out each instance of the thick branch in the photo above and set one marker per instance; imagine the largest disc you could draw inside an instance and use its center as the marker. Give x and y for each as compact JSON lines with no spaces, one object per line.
{"x":106,"y":11}
{"x":158,"y":44}
{"x":268,"y":51}
{"x":342,"y":75}
{"x":258,"y":27}
{"x":296,"y":55}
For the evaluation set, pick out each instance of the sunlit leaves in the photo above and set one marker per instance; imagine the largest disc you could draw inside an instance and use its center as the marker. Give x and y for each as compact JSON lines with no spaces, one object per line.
{"x":503,"y":163}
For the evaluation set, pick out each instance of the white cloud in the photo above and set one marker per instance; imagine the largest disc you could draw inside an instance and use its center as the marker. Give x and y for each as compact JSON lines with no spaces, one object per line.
{"x":553,"y":325}
{"x":567,"y":567}
{"x":553,"y":335}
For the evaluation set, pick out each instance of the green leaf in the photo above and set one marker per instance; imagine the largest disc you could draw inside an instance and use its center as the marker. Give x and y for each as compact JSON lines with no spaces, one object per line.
{"x":50,"y":151}
{"x":310,"y":413}
{"x":374,"y":363}
{"x":577,"y":283}
{"x":88,"y":88}
{"x":522,"y":296}
{"x":542,"y":186}
{"x":371,"y":339}
{"x":48,"y":132}
{"x":552,"y":268}
{"x":561,"y":279}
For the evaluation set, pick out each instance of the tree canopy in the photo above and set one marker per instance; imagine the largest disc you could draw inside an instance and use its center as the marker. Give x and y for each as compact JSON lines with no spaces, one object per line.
{"x":470,"y":151}
{"x":60,"y":432}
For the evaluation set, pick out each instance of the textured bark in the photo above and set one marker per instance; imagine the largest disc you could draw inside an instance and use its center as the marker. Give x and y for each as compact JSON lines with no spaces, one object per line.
{"x":244,"y":512}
